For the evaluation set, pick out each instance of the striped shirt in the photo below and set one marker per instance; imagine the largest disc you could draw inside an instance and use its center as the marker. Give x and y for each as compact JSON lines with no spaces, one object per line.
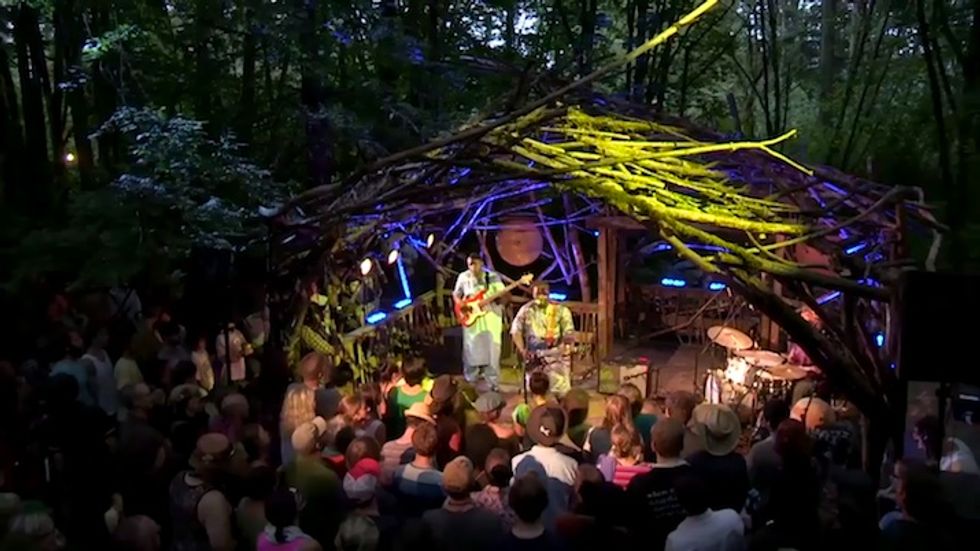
{"x":624,"y":473}
{"x":418,"y":489}
{"x":391,"y":456}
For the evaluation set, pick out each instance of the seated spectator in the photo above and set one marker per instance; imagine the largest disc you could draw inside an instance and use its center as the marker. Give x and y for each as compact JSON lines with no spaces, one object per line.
{"x":644,"y":422}
{"x":576,"y":406}
{"x":599,"y":440}
{"x":539,"y":387}
{"x":625,"y":458}
{"x":680,"y":405}
{"x":450,"y":421}
{"x":490,"y":406}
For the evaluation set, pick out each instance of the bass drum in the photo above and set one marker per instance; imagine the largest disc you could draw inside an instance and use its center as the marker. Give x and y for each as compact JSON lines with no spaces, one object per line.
{"x":741,"y":398}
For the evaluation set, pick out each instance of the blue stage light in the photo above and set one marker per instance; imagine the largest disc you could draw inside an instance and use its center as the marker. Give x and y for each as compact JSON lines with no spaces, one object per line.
{"x":671,"y":282}
{"x":376,"y":317}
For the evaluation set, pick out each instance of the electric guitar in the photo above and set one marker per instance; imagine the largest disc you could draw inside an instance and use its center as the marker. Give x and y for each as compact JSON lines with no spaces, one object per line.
{"x":474,"y":307}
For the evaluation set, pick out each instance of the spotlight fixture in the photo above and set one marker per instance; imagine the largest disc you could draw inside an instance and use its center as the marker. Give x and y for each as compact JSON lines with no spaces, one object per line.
{"x":69,"y":157}
{"x":430,"y":240}
{"x":393,"y":256}
{"x":366,"y":265}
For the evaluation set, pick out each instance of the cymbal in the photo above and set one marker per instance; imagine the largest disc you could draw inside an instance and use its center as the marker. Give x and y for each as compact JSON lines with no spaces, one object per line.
{"x":788,"y":372}
{"x":729,"y":337}
{"x":761,"y":358}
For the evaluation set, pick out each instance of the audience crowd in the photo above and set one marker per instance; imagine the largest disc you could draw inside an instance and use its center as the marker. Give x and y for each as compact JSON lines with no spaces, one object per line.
{"x":154,"y":442}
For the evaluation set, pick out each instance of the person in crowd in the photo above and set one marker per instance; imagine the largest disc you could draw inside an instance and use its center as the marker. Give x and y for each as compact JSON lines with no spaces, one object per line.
{"x":317,"y":485}
{"x":418,"y":485}
{"x":232,"y":418}
{"x":99,"y":364}
{"x":334,"y":440}
{"x":203,"y":370}
{"x":250,"y":513}
{"x":762,"y":460}
{"x":33,"y":528}
{"x":719,"y":465}
{"x":926,"y":514}
{"x":412,"y":389}
{"x":704,"y":528}
{"x":318,"y":373}
{"x":655,"y":507}
{"x":372,"y":405}
{"x":493,"y":496}
{"x":490,"y":407}
{"x":459,"y":525}
{"x":230,"y":349}
{"x":635,"y":397}
{"x":618,"y":412}
{"x":362,"y":487}
{"x":298,"y":407}
{"x":362,"y":447}
{"x":597,"y":513}
{"x":199,"y":509}
{"x":137,"y":533}
{"x":539,"y":386}
{"x":545,"y":428}
{"x":789,"y":514}
{"x":189,"y":421}
{"x":282,"y":532}
{"x":146,"y":342}
{"x":126,"y":370}
{"x":358,"y":533}
{"x":172,"y":350}
{"x":528,"y":499}
{"x":576,"y":406}
{"x":650,"y":412}
{"x":142,"y":456}
{"x":680,"y":405}
{"x":72,"y":347}
{"x":450,"y":420}
{"x":394,"y":452}
{"x":625,"y":458}
{"x":479,"y":441}
{"x":953,"y":454}
{"x":257,"y":444}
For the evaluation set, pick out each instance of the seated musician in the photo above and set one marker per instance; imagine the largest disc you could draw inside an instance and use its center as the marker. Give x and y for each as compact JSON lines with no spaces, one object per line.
{"x":799,"y":357}
{"x":542,"y":326}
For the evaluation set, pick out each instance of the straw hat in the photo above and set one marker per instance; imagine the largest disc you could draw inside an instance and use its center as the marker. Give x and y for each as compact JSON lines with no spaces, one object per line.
{"x":719,"y":426}
{"x":420,"y":410}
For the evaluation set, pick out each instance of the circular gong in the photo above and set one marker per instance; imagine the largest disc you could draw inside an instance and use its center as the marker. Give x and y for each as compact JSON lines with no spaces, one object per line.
{"x":519,"y":242}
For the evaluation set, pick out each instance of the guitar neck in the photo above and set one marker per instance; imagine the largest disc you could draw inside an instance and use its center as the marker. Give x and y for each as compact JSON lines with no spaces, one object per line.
{"x":500,"y":292}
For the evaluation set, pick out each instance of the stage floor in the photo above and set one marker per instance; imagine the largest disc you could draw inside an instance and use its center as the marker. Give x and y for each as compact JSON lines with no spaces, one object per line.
{"x":679,"y":366}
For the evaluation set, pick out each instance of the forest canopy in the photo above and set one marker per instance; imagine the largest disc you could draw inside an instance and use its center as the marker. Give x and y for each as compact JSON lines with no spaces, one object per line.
{"x":132,"y":131}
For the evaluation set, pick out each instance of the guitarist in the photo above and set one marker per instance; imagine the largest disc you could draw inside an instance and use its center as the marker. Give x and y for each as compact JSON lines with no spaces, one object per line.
{"x":481,"y":341}
{"x":542,"y":325}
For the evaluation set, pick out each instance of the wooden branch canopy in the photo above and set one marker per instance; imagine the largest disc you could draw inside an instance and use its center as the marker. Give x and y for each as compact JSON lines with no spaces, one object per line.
{"x":649,"y":172}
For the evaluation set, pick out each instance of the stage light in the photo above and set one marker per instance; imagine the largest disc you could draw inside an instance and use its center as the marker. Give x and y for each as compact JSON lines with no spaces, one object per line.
{"x":596,"y":233}
{"x":430,"y":240}
{"x":375,"y":317}
{"x":855,"y":248}
{"x":403,"y":278}
{"x":828,"y":297}
{"x":880,"y":340}
{"x":716,"y":286}
{"x":366,"y":265}
{"x":671,"y":282}
{"x":403,"y":303}
{"x":70,"y":157}
{"x":557,"y":296}
{"x":393,"y":256}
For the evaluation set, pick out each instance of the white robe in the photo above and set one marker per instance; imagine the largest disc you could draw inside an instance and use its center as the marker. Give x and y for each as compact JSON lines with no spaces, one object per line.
{"x":481,"y":341}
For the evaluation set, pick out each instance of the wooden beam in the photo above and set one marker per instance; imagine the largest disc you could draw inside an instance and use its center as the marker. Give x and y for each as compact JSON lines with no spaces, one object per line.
{"x":618,"y":222}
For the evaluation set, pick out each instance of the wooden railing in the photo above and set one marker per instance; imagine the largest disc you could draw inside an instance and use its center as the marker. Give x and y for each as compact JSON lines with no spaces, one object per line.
{"x":430,"y":313}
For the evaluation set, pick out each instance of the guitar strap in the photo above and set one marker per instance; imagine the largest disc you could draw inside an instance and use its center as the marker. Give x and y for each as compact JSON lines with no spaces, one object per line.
{"x":551,"y":323}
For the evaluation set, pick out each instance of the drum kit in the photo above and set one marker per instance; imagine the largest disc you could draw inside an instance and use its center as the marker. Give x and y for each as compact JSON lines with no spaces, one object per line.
{"x":751,"y":375}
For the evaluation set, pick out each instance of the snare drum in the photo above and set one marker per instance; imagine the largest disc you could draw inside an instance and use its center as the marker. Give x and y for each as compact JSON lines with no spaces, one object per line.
{"x":719,"y":390}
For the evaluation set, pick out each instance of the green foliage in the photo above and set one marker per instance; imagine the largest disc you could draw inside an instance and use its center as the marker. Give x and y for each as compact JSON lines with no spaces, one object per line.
{"x":183,"y":189}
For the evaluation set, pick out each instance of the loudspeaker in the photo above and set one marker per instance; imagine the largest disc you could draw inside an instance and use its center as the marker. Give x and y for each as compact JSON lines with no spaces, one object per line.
{"x":938,"y":327}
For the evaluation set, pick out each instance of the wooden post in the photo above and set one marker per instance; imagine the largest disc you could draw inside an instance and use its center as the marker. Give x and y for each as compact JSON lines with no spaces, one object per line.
{"x":571,"y":232}
{"x":607,"y":289}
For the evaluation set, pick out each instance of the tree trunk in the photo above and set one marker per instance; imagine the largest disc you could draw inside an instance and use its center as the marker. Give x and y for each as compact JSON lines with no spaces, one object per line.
{"x":11,"y":134}
{"x":77,"y":101}
{"x":37,"y":167}
{"x":204,"y":66}
{"x":968,"y":130}
{"x":587,"y":22}
{"x":62,"y":18}
{"x":247,"y":104}
{"x":313,"y":96}
{"x":642,"y":62}
{"x":828,"y":58}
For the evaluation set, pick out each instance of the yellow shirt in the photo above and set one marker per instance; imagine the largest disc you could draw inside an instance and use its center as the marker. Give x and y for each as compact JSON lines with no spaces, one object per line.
{"x":127,"y":372}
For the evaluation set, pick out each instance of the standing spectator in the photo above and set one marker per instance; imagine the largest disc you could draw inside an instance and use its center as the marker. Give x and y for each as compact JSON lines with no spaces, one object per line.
{"x":203,"y":371}
{"x":719,"y":466}
{"x":529,"y":499}
{"x":234,"y":414}
{"x":493,"y":496}
{"x":618,"y":412}
{"x":576,"y":406}
{"x":625,"y":458}
{"x":282,"y":533}
{"x":410,"y":389}
{"x":443,"y":404}
{"x":230,"y":349}
{"x":100,"y":365}
{"x":680,"y":406}
{"x":418,"y":485}
{"x":126,"y":371}
{"x":926,"y":515}
{"x":371,"y":404}
{"x":298,"y":407}
{"x":250,"y":513}
{"x":393,"y":453}
{"x":704,"y":529}
{"x":460,"y":525}
{"x":318,"y":373}
{"x":557,"y":471}
{"x":199,"y":510}
{"x":70,"y":364}
{"x":644,"y":423}
{"x":490,"y":406}
{"x":762,"y":460}
{"x":653,"y":500}
{"x":318,"y":486}
{"x":358,"y":533}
